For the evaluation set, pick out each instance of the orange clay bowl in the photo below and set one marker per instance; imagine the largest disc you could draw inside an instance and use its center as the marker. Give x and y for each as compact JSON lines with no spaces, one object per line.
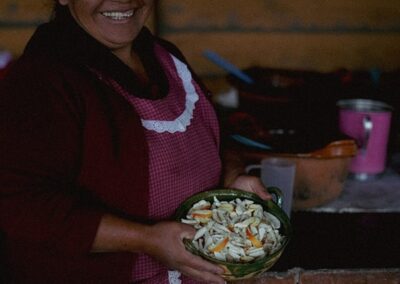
{"x":320,"y":174}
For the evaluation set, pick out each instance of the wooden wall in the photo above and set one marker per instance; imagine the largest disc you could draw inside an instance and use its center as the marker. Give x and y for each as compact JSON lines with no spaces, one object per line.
{"x":18,"y":19}
{"x":296,"y":34}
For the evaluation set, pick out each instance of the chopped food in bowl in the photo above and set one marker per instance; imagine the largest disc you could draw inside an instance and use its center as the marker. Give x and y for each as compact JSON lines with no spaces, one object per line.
{"x":237,"y":230}
{"x":234,"y":231}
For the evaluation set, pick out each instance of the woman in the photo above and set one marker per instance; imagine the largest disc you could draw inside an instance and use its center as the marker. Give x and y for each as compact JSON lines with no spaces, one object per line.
{"x":105,"y":131}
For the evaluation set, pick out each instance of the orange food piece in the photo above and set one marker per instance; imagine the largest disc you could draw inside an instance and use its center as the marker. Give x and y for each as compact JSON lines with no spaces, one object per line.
{"x":201,"y":215}
{"x":253,"y":239}
{"x":221,"y":245}
{"x":205,"y":207}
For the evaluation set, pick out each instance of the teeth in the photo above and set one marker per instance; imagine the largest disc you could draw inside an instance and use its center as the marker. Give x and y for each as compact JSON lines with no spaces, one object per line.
{"x":118,"y":15}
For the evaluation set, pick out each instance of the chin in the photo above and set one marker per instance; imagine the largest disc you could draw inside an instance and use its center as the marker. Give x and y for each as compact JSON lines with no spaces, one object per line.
{"x":117,"y":42}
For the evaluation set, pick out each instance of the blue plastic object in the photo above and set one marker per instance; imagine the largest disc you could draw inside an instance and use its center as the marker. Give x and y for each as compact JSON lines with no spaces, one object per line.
{"x":227,"y":66}
{"x":249,"y":142}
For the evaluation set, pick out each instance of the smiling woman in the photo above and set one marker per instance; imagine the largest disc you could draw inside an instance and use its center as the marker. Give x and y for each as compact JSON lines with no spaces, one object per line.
{"x":115,"y":24}
{"x":106,"y":131}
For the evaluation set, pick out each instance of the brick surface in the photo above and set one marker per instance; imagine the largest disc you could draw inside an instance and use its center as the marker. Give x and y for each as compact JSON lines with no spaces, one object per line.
{"x":384,"y":276}
{"x":289,"y":277}
{"x":334,"y":276}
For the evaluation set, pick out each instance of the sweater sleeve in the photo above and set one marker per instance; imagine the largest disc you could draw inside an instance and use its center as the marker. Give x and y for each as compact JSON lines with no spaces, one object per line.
{"x":40,"y":149}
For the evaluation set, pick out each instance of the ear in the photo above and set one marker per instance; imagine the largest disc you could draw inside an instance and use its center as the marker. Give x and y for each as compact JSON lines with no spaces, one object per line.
{"x":63,"y":2}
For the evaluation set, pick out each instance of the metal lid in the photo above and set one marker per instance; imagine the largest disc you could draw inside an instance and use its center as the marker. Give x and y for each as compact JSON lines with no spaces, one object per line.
{"x":364,"y":105}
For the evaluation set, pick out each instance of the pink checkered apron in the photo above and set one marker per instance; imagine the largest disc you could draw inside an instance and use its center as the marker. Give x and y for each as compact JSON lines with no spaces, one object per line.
{"x":183,"y":138}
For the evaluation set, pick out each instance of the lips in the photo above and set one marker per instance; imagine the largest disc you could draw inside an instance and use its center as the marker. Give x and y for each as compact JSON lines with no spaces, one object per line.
{"x":118,"y":15}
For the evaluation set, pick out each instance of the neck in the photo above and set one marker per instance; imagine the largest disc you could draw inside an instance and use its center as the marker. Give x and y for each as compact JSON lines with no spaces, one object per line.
{"x":132,"y":60}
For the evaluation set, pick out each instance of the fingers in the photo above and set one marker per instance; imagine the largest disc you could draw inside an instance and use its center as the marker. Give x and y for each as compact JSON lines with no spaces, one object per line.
{"x":198,"y":263}
{"x":187,"y":232}
{"x":260,"y":189}
{"x":168,"y":248}
{"x":252,"y":184}
{"x":197,"y":268}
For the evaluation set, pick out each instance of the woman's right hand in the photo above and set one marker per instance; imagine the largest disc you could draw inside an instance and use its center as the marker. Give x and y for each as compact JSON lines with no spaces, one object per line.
{"x":164,"y":242}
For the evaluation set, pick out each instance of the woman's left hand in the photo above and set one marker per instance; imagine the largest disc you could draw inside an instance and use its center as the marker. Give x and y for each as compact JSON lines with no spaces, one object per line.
{"x":251,"y":184}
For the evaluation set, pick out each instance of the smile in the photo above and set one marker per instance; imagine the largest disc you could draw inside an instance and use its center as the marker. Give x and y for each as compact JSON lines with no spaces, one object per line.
{"x":118,"y":16}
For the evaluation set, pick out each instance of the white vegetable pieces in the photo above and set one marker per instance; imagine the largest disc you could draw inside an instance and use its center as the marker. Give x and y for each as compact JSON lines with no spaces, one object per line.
{"x":237,"y":231}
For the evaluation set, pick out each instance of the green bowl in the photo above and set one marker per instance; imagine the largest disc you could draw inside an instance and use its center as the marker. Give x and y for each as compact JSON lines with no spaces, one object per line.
{"x":239,"y":271}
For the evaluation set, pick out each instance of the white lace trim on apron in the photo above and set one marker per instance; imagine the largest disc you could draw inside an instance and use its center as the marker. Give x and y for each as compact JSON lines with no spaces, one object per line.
{"x":183,"y":121}
{"x":173,"y":277}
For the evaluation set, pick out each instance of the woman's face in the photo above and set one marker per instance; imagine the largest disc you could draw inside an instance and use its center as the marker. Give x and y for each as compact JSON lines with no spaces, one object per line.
{"x":114,"y":23}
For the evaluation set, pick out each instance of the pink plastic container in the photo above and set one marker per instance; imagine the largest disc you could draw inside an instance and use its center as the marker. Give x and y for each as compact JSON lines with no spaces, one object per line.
{"x":368,"y":123}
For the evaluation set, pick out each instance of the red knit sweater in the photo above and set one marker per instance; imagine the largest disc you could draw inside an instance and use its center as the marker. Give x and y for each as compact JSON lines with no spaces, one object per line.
{"x":70,"y":150}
